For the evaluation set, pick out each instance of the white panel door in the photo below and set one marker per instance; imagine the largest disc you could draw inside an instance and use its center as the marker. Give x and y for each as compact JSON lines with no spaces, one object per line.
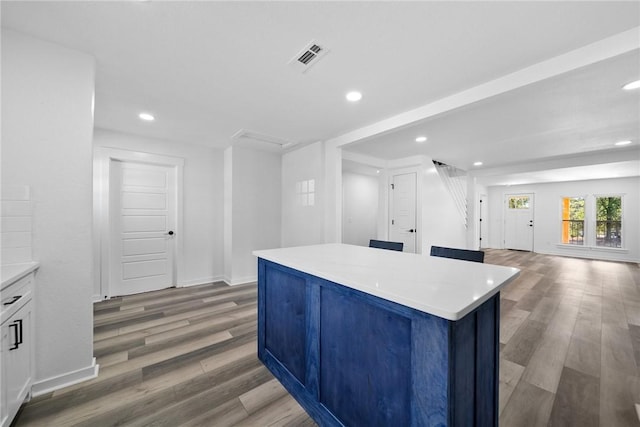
{"x":518,"y":229}
{"x":483,"y":224}
{"x":403,"y":211}
{"x":143,"y":218}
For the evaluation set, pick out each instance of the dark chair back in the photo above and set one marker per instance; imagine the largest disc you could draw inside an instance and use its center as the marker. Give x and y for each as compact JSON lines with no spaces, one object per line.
{"x":463,"y":254}
{"x":383,"y":244}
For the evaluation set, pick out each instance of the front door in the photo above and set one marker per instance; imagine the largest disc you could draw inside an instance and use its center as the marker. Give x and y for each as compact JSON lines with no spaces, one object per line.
{"x":518,"y":230}
{"x":143,"y":218}
{"x":403,"y":211}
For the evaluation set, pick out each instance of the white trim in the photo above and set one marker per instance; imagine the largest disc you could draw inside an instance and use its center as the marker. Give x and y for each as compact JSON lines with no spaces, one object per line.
{"x":202,"y":281}
{"x":240,"y":280}
{"x":589,"y":254}
{"x":65,"y":380}
{"x":592,"y":248}
{"x":102,"y":159}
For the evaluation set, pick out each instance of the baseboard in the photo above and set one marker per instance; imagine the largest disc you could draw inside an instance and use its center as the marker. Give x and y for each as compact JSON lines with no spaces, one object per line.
{"x":240,"y":280}
{"x":588,"y":253}
{"x":202,"y":281}
{"x":65,"y":380}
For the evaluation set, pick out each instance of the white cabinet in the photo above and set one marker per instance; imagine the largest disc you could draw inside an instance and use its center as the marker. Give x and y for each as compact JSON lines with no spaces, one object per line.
{"x":16,"y":360}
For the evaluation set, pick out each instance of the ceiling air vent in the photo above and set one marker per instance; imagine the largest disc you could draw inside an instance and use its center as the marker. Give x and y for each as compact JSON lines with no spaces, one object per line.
{"x":252,"y":139}
{"x":308,"y":56}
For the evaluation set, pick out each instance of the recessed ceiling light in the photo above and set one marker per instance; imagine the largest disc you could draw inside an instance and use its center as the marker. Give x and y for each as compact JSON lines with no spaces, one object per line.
{"x":632,"y":85}
{"x":378,"y":171}
{"x":146,"y":117}
{"x":354,"y":96}
{"x":421,"y":139}
{"x":623,"y":143}
{"x":477,"y":164}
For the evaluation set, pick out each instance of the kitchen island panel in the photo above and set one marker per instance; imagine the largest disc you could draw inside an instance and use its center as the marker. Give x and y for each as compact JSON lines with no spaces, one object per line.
{"x":365,"y":374}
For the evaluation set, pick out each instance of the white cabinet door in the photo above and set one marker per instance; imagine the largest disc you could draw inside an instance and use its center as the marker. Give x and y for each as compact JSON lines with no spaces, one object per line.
{"x":3,"y":394}
{"x":17,"y":348}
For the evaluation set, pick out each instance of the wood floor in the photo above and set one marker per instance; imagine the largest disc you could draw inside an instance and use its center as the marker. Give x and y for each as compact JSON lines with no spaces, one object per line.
{"x":570,"y":355}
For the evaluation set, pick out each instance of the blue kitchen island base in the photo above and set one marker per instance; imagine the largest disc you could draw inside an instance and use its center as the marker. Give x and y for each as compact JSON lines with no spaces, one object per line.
{"x":354,"y":359}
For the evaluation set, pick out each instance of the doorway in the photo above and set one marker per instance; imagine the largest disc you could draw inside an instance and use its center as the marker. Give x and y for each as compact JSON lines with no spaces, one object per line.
{"x":402,"y":221}
{"x":518,"y":224}
{"x":138,"y":216}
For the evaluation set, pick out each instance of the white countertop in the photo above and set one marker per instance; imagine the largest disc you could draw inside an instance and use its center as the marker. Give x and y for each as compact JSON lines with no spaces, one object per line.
{"x":12,"y":272}
{"x":443,"y":287}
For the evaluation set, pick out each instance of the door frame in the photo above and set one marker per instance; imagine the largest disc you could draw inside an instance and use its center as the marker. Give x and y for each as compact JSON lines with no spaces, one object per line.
{"x":505,"y":208}
{"x":103,"y":156}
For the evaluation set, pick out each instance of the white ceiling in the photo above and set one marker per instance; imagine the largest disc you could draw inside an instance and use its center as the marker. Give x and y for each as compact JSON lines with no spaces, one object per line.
{"x":583,"y":111}
{"x":210,"y":69}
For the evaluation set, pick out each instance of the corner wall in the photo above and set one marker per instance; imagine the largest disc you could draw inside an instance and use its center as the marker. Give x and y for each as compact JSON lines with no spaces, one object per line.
{"x":360,"y":208}
{"x":47,"y":126}
{"x":252,"y":210}
{"x":304,"y":225}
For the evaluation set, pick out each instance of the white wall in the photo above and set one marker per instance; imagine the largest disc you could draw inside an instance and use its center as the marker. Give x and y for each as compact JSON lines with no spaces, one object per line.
{"x":202,"y":201}
{"x":255,"y":220}
{"x":548,"y":214}
{"x":442,"y":224}
{"x":359,"y":208}
{"x":304,"y":225}
{"x":47,"y":126}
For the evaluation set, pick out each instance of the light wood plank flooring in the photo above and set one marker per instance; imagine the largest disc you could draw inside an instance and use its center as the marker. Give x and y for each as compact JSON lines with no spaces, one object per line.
{"x":569,"y":339}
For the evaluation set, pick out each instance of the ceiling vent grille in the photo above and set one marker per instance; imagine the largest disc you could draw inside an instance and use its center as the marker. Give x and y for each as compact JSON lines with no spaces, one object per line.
{"x":251,"y":137}
{"x":308,"y":56}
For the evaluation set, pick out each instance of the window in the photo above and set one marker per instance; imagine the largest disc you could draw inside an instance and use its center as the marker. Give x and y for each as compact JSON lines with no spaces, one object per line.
{"x":573,"y":220}
{"x":609,"y":221}
{"x":593,"y":221}
{"x":305,"y":191}
{"x":519,"y":202}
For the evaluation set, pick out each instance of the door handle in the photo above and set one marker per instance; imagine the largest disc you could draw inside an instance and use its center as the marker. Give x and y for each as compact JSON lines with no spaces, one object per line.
{"x":411,"y":230}
{"x":17,"y":325}
{"x":15,"y":298}
{"x":169,"y":233}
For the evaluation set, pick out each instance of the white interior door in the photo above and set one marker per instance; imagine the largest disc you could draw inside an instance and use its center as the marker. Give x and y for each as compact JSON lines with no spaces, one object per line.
{"x":403,"y":211}
{"x":483,"y":224}
{"x":143,"y":219}
{"x":518,"y":230}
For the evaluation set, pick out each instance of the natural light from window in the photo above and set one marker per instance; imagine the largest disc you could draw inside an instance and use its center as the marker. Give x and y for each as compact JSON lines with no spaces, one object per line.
{"x":592,"y":221}
{"x":573,"y":220}
{"x":609,"y":221}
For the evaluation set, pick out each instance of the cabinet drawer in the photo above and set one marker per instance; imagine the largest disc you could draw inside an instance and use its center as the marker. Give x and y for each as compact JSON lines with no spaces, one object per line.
{"x":16,"y":295}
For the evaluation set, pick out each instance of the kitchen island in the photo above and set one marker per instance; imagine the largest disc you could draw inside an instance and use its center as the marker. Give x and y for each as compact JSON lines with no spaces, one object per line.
{"x":364,"y":336}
